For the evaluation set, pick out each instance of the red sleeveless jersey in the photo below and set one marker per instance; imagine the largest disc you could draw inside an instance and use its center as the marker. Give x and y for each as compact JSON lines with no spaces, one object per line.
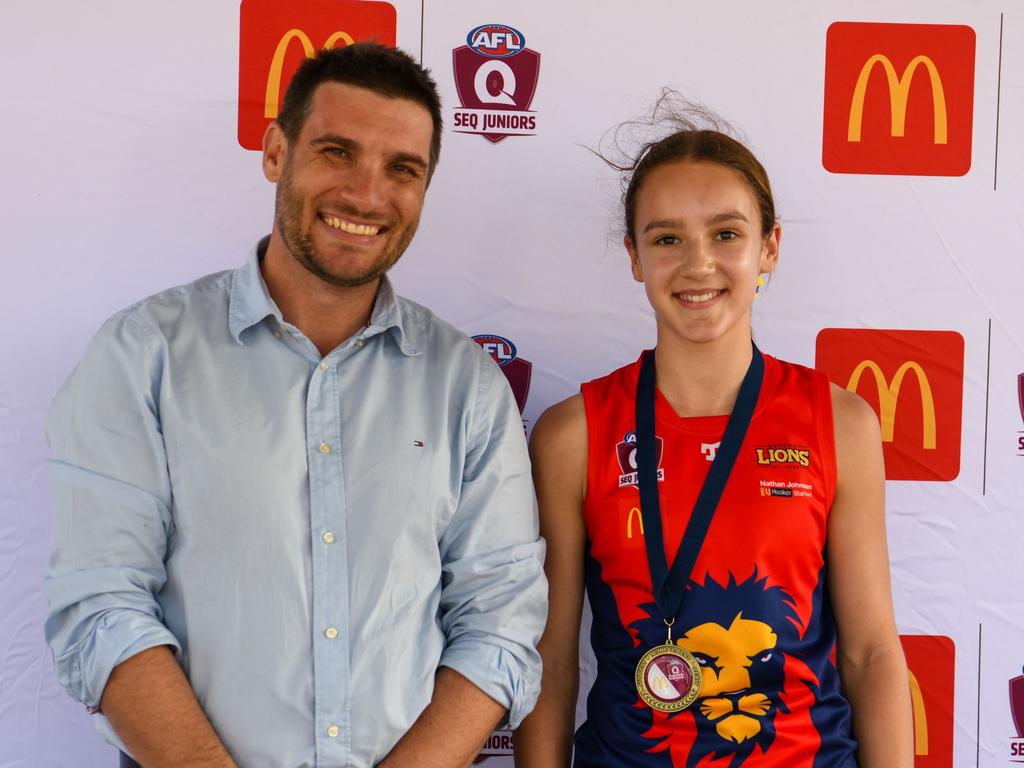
{"x":756,"y":613}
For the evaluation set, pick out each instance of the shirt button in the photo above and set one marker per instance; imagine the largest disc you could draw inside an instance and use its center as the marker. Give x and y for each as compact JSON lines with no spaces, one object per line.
{"x":324,"y":448}
{"x":328,"y":538}
{"x":330,"y":633}
{"x":333,"y":731}
{"x":324,"y":366}
{"x":360,"y":343}
{"x":277,"y":333}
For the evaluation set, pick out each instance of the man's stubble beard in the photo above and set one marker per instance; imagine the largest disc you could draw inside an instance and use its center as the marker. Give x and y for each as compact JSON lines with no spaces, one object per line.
{"x":288,"y":218}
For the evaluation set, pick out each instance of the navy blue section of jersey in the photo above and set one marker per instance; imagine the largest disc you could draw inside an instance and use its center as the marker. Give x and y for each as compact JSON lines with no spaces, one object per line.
{"x":830,"y":713}
{"x":612,"y":733}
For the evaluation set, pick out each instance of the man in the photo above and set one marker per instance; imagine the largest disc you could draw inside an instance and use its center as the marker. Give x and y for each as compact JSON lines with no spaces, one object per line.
{"x":293,"y":519}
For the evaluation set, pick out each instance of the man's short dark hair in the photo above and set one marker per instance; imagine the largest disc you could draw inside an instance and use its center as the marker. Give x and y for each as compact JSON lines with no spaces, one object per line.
{"x":379,"y":68}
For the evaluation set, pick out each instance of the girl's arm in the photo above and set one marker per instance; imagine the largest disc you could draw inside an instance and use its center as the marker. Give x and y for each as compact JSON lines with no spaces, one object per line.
{"x":870,"y":658}
{"x":558,"y":449}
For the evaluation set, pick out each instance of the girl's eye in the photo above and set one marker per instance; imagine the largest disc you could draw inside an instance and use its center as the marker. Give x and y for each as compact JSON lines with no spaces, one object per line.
{"x":727,"y":235}
{"x":667,"y":240}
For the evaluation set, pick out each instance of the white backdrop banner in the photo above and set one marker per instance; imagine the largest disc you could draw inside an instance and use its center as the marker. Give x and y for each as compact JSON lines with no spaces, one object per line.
{"x":892,"y":136}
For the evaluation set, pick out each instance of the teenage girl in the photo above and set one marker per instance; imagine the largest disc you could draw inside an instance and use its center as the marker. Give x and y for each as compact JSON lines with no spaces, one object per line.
{"x":772,"y":642}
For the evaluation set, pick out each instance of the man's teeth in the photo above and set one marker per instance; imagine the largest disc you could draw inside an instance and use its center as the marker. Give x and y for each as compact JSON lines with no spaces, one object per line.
{"x":353,"y":229}
{"x":699,"y":297}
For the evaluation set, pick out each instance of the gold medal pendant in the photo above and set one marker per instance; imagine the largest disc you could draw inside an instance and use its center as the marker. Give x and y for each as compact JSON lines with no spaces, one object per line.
{"x":668,"y":677}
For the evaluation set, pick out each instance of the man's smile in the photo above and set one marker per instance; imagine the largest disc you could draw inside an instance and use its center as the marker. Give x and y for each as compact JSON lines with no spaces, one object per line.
{"x":351,"y":227}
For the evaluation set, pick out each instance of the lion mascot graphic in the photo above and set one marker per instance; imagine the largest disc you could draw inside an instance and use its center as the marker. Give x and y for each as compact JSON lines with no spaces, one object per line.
{"x":740,"y":634}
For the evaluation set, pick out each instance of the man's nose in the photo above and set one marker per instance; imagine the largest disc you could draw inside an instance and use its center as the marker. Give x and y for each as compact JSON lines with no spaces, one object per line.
{"x":364,"y":186}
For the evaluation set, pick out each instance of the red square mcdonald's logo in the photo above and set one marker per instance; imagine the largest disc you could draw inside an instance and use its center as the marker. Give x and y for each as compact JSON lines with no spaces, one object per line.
{"x":276,"y":37}
{"x":899,"y":99}
{"x":931,"y":663}
{"x":915,"y":382}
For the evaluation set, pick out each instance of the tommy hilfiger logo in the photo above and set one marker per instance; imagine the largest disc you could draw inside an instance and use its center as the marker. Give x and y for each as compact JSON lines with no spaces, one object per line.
{"x":625,"y":453}
{"x":710,"y":450}
{"x":783,"y":455}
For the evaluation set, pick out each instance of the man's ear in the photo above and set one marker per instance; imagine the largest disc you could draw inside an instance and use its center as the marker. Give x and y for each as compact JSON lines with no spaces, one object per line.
{"x":634,"y":259}
{"x":275,"y":151}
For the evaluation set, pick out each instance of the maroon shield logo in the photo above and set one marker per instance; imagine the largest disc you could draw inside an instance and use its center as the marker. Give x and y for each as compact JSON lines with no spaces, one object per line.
{"x":516,"y":370}
{"x":491,"y":83}
{"x":1017,"y":703}
{"x":1020,"y":394}
{"x":518,"y":373}
{"x":625,"y":453}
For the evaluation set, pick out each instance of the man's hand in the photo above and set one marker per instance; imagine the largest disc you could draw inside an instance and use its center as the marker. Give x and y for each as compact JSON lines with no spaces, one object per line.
{"x":153,"y":710}
{"x":450,"y":732}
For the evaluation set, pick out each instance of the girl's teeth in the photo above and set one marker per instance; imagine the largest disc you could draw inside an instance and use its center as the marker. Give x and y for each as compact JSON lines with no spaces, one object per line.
{"x":699,"y":298}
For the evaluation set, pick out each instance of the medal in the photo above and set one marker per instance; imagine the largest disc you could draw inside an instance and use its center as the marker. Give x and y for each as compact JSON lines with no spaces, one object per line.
{"x":668,"y":676}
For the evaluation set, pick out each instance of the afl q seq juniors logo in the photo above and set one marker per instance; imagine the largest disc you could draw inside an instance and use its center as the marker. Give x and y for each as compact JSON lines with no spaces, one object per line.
{"x":1020,"y":400}
{"x":517,"y":370}
{"x":1017,"y":712}
{"x":495,"y":77}
{"x":625,"y":454}
{"x":498,"y":744}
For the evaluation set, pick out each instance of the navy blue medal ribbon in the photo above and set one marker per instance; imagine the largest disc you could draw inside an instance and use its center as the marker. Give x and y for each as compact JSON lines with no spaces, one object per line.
{"x":670,"y":584}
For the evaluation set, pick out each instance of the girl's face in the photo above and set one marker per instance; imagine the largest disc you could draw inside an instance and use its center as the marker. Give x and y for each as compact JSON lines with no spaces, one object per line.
{"x":699,"y":250}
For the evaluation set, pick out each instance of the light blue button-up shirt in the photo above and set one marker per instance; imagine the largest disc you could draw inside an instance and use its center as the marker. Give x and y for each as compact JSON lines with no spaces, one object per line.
{"x":314,"y":535}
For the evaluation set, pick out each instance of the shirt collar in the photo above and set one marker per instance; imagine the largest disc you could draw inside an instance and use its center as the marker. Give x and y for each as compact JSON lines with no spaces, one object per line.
{"x":389,"y":315}
{"x":250,"y":303}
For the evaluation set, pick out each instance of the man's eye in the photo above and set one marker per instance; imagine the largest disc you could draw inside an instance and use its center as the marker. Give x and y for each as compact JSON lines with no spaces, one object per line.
{"x":405,"y":170}
{"x":336,"y":152}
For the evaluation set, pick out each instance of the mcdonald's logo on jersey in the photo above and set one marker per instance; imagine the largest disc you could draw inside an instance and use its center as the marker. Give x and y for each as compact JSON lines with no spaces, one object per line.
{"x":914,"y":380}
{"x":931,"y":666}
{"x":899,"y":99}
{"x":631,"y":525}
{"x":274,"y":38}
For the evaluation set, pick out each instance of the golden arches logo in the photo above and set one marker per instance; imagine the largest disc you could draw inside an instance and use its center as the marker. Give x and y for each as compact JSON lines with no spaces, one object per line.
{"x":271,"y":105}
{"x":899,"y":92}
{"x":920,"y":716}
{"x":660,"y":685}
{"x":634,"y":512}
{"x":888,"y":396}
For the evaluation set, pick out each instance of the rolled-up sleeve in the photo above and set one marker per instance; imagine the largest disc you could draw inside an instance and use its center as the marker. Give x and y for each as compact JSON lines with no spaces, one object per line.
{"x":494,"y":593}
{"x":111,"y":503}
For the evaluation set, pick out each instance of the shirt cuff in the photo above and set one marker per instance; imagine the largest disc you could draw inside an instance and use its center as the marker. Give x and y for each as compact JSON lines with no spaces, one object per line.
{"x":496,"y":672}
{"x":84,"y":668}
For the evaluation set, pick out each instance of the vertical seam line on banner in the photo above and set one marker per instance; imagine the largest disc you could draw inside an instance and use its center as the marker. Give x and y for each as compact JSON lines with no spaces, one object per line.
{"x":423,"y":4}
{"x":977,"y":732}
{"x":988,"y":385}
{"x":999,"y":91}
